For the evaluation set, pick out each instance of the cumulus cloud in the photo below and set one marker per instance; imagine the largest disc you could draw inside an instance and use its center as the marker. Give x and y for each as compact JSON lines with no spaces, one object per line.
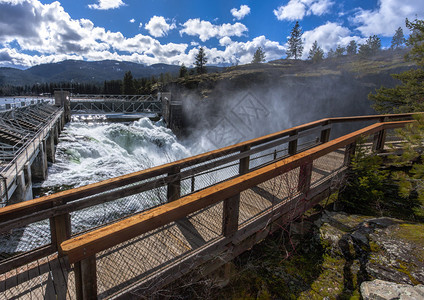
{"x":49,"y":32}
{"x":132,"y":20}
{"x":387,"y":17}
{"x":239,"y":52}
{"x":33,"y":33}
{"x":205,"y":30}
{"x":328,"y":36}
{"x":240,"y":13}
{"x":106,"y":4}
{"x":297,"y":9}
{"x":158,"y":26}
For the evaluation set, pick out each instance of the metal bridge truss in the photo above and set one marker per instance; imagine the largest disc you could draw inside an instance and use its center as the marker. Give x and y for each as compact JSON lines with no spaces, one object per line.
{"x":101,"y":98}
{"x":125,"y":105}
{"x":19,"y":126}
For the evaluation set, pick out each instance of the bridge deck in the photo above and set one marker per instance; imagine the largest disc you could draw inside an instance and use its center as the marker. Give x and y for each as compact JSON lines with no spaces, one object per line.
{"x":142,"y":256}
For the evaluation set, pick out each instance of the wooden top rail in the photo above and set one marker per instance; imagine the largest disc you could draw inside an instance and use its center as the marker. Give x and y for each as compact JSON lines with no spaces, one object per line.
{"x":88,"y":244}
{"x":27,"y":207}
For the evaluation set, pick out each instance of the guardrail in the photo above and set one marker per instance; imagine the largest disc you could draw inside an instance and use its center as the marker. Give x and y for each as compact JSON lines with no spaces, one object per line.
{"x":190,"y":185}
{"x":101,"y":98}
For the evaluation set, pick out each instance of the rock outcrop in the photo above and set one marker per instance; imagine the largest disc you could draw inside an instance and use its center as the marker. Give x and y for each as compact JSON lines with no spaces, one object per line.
{"x":377,"y":250}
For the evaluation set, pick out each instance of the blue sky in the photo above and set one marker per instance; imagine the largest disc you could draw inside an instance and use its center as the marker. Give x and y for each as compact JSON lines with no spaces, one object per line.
{"x":33,"y":32}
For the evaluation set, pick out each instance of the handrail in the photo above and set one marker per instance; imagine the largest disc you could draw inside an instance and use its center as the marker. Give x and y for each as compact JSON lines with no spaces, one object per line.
{"x":88,"y":244}
{"x":19,"y":209}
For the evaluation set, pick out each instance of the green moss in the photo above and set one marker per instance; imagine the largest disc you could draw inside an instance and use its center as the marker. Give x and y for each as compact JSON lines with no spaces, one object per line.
{"x":413,"y":234}
{"x":374,"y":247}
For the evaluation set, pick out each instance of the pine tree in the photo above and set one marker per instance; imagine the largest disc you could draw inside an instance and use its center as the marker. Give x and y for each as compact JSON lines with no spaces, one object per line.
{"x":351,"y":48}
{"x":409,"y":95}
{"x":183,"y":71}
{"x":316,"y":54}
{"x":295,"y":44}
{"x":398,"y":39}
{"x":128,"y":84}
{"x":340,"y":51}
{"x":259,"y":56}
{"x":371,"y":46}
{"x":200,"y":61}
{"x":331,"y":53}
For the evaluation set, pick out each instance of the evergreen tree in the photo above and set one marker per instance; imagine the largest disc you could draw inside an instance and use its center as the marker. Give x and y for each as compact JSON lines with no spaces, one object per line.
{"x":340,"y":51}
{"x":295,"y":44}
{"x":183,"y":71}
{"x":200,"y":61}
{"x":398,"y":39}
{"x":331,"y":53}
{"x":371,"y":46}
{"x":351,"y":48}
{"x":259,"y":56}
{"x":128,"y":84}
{"x":316,"y":54}
{"x":409,"y":95}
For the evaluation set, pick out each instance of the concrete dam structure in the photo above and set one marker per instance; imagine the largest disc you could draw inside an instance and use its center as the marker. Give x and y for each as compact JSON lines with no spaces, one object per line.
{"x":28,"y":136}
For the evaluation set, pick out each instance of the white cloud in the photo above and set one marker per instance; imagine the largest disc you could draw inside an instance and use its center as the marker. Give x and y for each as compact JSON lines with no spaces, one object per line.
{"x":239,"y":52}
{"x":49,"y":33}
{"x":52,"y":35}
{"x":106,"y":4}
{"x":328,"y":36}
{"x":158,"y":26}
{"x":225,"y":41}
{"x":206,"y":30}
{"x":140,"y":25}
{"x":132,"y":20}
{"x":241,"y":13}
{"x":297,"y":9}
{"x":388,"y":16}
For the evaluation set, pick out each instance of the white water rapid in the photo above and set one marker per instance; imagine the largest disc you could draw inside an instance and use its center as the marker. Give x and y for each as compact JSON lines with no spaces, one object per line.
{"x":91,"y":152}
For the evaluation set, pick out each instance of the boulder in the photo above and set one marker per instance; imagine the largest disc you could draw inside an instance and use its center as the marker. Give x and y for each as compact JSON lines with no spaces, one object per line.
{"x":385,"y":290}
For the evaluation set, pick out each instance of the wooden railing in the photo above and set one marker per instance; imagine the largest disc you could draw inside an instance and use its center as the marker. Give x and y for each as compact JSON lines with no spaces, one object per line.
{"x":170,"y":178}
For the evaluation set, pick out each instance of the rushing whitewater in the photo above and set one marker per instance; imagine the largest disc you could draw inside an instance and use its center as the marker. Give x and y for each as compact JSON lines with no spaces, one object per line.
{"x":91,"y":152}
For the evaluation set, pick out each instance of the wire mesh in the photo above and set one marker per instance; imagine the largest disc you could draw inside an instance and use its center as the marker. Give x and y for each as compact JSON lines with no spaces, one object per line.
{"x":36,"y":280}
{"x":279,"y":189}
{"x":327,"y":165}
{"x":126,"y":263}
{"x":109,"y":212}
{"x":209,"y":177}
{"x":24,"y":239}
{"x":3,"y":191}
{"x":393,"y":140}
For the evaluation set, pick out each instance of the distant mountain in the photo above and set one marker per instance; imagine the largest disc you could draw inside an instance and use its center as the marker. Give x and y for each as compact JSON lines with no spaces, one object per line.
{"x":83,"y":72}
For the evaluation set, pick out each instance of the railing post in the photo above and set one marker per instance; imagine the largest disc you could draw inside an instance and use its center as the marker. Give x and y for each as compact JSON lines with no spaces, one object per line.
{"x":379,"y":138}
{"x":86,"y":278}
{"x":174,"y":187}
{"x":293,"y":144}
{"x":305,"y":175}
{"x":60,"y":228}
{"x":325,"y":134}
{"x":231,"y":207}
{"x":349,"y":152}
{"x":244,"y":162}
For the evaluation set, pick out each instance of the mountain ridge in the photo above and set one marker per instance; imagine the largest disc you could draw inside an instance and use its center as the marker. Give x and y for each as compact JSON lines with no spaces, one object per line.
{"x":83,"y":72}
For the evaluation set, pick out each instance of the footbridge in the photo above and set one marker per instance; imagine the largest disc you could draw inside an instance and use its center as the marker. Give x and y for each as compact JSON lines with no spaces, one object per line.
{"x":129,"y":236}
{"x":112,"y":104}
{"x":28,"y":135}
